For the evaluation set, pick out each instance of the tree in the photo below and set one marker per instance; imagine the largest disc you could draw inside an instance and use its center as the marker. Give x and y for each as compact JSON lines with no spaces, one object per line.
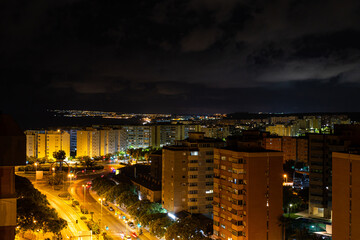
{"x":115,"y":191}
{"x":60,"y":156}
{"x":56,"y":179}
{"x":158,"y":226}
{"x":87,"y":161}
{"x":285,"y":224}
{"x":186,"y":228}
{"x":144,"y":210}
{"x":289,"y":197}
{"x":101,"y":185}
{"x":127,"y":198}
{"x":146,"y":219}
{"x":33,"y":211}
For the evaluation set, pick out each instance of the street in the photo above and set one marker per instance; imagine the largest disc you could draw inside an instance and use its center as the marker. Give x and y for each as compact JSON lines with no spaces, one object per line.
{"x":111,"y":224}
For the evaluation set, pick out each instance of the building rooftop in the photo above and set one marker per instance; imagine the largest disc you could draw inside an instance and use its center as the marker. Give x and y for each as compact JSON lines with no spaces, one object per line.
{"x":248,"y":149}
{"x":147,"y":182}
{"x":180,"y":148}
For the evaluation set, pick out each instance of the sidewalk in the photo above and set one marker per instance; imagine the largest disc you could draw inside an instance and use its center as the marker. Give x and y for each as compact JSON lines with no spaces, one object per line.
{"x":305,"y":214}
{"x":145,"y":233}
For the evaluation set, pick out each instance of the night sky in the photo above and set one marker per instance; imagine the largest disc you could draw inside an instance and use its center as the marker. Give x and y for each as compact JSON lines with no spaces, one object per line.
{"x":179,"y":56}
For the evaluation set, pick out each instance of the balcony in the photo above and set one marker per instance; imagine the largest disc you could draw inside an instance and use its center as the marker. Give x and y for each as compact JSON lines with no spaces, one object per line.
{"x":237,"y":207}
{"x":238,"y":197}
{"x":238,"y":165}
{"x":238,"y":175}
{"x":237,"y":217}
{"x":238,"y":186}
{"x":238,"y":228}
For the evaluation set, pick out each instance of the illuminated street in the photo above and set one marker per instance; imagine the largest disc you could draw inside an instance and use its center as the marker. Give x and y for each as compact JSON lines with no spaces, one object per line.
{"x":115,"y":226}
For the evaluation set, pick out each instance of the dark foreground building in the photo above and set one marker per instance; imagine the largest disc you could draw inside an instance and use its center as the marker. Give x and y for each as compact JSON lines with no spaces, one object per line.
{"x":12,"y":152}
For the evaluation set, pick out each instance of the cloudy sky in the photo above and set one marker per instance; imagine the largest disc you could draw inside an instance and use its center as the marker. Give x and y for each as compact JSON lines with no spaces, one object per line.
{"x":180,"y":56}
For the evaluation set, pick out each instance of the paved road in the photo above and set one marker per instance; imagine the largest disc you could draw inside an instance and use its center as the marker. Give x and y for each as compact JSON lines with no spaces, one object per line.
{"x":116,"y":226}
{"x":64,"y":210}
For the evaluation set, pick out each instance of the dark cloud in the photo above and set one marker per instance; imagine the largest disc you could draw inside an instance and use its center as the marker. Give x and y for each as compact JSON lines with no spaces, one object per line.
{"x":180,"y":55}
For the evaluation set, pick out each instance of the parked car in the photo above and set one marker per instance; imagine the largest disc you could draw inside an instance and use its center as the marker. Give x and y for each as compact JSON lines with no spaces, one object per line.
{"x":105,"y":204}
{"x":111,"y":209}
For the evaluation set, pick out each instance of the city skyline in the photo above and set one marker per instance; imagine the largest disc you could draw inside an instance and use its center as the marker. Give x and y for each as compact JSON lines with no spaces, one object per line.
{"x":180,"y":119}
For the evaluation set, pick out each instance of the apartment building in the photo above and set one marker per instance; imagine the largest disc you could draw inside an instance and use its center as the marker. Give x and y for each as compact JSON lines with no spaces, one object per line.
{"x":31,"y":143}
{"x":346,"y":195}
{"x":320,"y":164}
{"x":294,"y":148}
{"x":187,"y":174}
{"x":247,"y":193}
{"x":282,"y":130}
{"x":139,"y":136}
{"x":93,"y":142}
{"x":42,"y":144}
{"x":217,"y":131}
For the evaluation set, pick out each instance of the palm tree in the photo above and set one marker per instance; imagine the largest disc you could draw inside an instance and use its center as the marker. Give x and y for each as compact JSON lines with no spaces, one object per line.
{"x":60,"y":156}
{"x":284,"y":222}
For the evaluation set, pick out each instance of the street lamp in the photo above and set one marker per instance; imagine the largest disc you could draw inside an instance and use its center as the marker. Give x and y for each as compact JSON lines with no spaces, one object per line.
{"x":289,"y":208}
{"x":84,"y":186}
{"x":101,"y":201}
{"x":285,"y":178}
{"x":70,"y":175}
{"x":35,"y":171}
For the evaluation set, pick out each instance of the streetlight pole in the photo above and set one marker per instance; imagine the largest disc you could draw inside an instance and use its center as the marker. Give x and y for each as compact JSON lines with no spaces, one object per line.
{"x":101,"y":201}
{"x":70,"y":178}
{"x":35,"y":171}
{"x":84,"y":186}
{"x":289,"y":208}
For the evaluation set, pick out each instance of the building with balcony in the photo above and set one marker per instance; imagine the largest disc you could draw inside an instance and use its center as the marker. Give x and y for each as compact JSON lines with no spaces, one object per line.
{"x":93,"y":142}
{"x":42,"y":144}
{"x":320,"y":178}
{"x":247,"y":193}
{"x":187,"y":174}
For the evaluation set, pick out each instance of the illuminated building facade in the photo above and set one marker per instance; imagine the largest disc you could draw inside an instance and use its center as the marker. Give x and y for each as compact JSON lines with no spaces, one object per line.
{"x":187,"y":174}
{"x":247,"y":193}
{"x":93,"y":142}
{"x":31,"y":143}
{"x":216,"y":131}
{"x":138,"y":136}
{"x":42,"y":144}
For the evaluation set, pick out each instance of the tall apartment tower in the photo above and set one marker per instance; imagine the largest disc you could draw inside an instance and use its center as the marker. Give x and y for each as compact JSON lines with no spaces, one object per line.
{"x":346,"y":196}
{"x":320,"y":179}
{"x":120,"y":139}
{"x":31,"y":143}
{"x":93,"y":142}
{"x":107,"y":141}
{"x":88,"y":143}
{"x":139,"y":136}
{"x":247,"y":193}
{"x":187,"y":174}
